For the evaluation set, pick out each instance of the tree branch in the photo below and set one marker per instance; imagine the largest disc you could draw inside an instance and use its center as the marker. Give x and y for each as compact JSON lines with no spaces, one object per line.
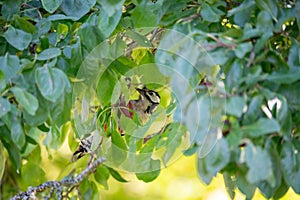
{"x":58,"y":185}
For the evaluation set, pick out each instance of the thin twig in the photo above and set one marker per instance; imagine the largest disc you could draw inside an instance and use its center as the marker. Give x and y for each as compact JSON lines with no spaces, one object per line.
{"x":220,"y":43}
{"x":251,"y":58}
{"x":58,"y":185}
{"x":148,"y":137}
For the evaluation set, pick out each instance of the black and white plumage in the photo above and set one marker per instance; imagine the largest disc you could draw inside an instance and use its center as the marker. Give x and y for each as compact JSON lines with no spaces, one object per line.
{"x":143,"y":107}
{"x":83,"y":148}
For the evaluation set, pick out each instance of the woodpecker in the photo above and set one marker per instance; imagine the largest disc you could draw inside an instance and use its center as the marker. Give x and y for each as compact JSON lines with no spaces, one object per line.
{"x":144,"y":106}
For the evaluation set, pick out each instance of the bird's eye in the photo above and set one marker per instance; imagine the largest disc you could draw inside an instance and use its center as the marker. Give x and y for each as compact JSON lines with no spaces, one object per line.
{"x":151,"y":93}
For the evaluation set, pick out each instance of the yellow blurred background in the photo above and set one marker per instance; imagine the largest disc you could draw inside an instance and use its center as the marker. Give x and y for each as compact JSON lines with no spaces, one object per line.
{"x":177,"y":182}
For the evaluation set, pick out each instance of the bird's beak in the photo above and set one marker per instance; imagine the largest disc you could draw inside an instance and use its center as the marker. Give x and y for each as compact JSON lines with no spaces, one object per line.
{"x":141,"y":91}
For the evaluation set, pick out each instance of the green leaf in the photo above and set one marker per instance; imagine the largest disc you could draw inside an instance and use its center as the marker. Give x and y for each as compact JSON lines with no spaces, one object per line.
{"x":291,"y":92}
{"x":28,"y":173}
{"x":235,"y":135}
{"x":218,"y":157}
{"x":118,"y":140}
{"x":49,"y":53}
{"x":60,"y":110}
{"x":293,"y":58}
{"x":2,"y":80}
{"x":262,"y":127}
{"x":102,"y":175}
{"x":116,"y":175}
{"x":258,"y":170}
{"x":119,"y":148}
{"x":170,"y":139}
{"x":75,"y":55}
{"x":242,"y":49}
{"x":270,"y":186}
{"x":2,"y":160}
{"x":285,"y":77}
{"x":219,"y":56}
{"x":283,"y":116}
{"x":17,"y":132}
{"x":14,"y":154}
{"x":62,"y":31}
{"x":242,"y":8}
{"x":205,"y":175}
{"x":109,"y":16}
{"x":17,"y":38}
{"x":242,"y":13}
{"x":210,"y":13}
{"x":26,"y":100}
{"x":268,"y":5}
{"x":50,"y":82}
{"x":264,"y":22}
{"x":4,"y":107}
{"x":229,"y":184}
{"x":250,"y":32}
{"x":214,"y":161}
{"x":9,"y":8}
{"x":244,"y":186}
{"x":51,"y":5}
{"x":24,"y":24}
{"x":234,"y":74}
{"x":10,"y":66}
{"x":106,"y":86}
{"x":91,"y":36}
{"x":144,"y":15}
{"x":139,"y":38}
{"x":151,"y":169}
{"x":41,"y":113}
{"x":253,"y":110}
{"x":235,"y":106}
{"x":53,"y":138}
{"x":282,"y":190}
{"x":77,"y":8}
{"x":290,"y":159}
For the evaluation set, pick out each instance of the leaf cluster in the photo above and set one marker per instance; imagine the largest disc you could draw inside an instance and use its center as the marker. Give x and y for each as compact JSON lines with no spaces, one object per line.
{"x":233,"y":69}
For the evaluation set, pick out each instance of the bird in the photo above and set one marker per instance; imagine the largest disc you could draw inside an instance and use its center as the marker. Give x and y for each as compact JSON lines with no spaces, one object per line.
{"x":144,"y":107}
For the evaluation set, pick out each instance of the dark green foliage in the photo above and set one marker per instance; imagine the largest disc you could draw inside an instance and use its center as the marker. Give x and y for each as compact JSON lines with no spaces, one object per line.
{"x":233,"y":68}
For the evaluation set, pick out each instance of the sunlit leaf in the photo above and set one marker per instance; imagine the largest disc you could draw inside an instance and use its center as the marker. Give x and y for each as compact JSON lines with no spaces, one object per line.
{"x":116,"y":175}
{"x":2,"y":161}
{"x":151,"y":169}
{"x":102,"y":175}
